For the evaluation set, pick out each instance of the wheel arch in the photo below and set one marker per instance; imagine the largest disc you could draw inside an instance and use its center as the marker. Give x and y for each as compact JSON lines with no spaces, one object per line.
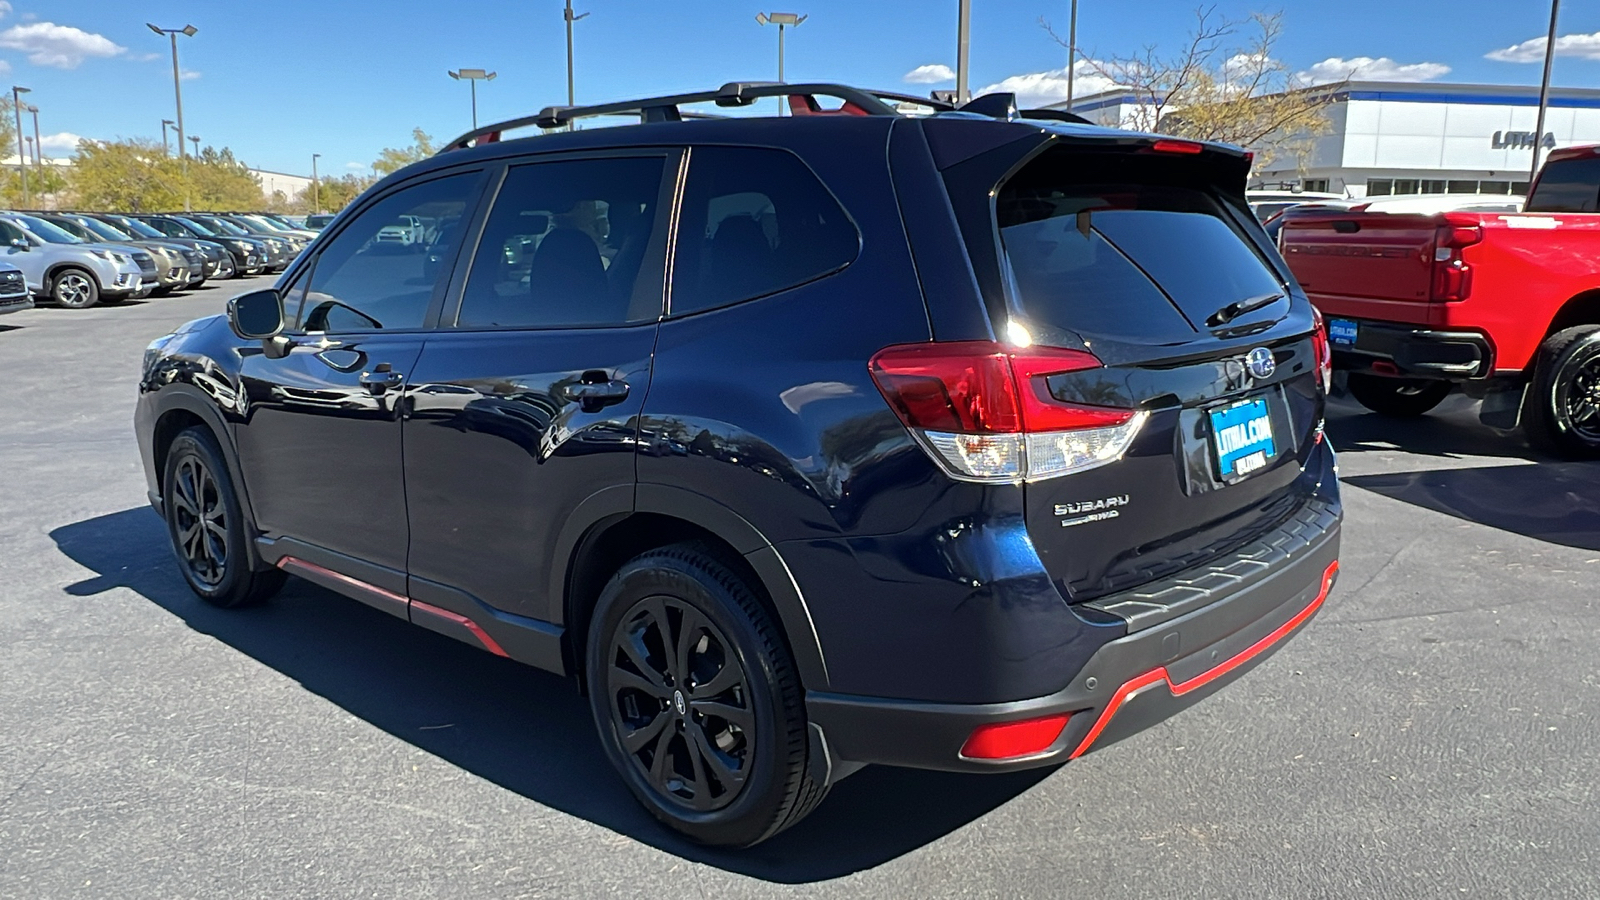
{"x":178,"y":409}
{"x":54,"y":269}
{"x":1583,"y":309}
{"x":595,"y":546}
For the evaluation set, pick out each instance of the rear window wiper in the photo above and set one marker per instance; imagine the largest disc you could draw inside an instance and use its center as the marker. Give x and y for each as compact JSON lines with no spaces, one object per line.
{"x":1239,"y":307}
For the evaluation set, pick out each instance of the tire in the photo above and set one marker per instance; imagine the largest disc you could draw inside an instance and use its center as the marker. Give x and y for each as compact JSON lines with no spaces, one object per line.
{"x":74,"y":288}
{"x":726,"y":781}
{"x":1401,"y":398}
{"x":1561,"y":414}
{"x":206,"y":526}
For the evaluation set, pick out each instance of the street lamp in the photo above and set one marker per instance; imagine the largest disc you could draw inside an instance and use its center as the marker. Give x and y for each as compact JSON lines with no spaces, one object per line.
{"x":195,"y":139}
{"x":1072,"y":51}
{"x":38,"y":145}
{"x":177,"y":88}
{"x":316,"y":198}
{"x":782,"y":20}
{"x":1544,"y":92}
{"x":963,"y":42}
{"x":16,"y":106}
{"x":570,"y":19}
{"x":164,"y":124}
{"x":473,"y":76}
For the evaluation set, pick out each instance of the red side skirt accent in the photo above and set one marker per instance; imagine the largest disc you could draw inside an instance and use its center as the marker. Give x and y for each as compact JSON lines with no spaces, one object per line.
{"x":1159,"y":675}
{"x":488,"y":643}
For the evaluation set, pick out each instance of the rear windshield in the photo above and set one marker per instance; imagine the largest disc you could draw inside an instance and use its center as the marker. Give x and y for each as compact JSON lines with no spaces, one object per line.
{"x":1567,"y":186}
{"x":1115,"y":249}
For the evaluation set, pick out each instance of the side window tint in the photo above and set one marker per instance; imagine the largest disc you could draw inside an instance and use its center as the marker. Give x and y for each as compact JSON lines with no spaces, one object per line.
{"x":381,"y":271}
{"x":10,"y":232}
{"x":754,"y":222}
{"x":568,"y":244}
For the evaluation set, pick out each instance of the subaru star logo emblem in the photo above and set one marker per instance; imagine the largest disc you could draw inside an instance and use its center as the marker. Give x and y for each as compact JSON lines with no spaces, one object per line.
{"x":1261,"y":363}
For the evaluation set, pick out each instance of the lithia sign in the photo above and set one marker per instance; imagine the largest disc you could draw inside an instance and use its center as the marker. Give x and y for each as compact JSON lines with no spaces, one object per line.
{"x":1520,"y":140}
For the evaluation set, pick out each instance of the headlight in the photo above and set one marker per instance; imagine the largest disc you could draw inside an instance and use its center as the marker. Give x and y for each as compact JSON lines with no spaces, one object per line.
{"x":120,"y":259}
{"x":106,"y":255}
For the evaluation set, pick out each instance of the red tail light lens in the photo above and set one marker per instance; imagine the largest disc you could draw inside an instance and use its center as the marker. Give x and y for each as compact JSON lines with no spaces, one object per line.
{"x":1187,"y":148}
{"x":1452,"y":275}
{"x":1011,"y":740}
{"x":1323,"y":349}
{"x":984,"y":412}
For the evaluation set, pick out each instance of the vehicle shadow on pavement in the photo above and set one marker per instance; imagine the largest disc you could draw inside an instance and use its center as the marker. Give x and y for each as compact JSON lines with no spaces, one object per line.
{"x":1553,"y":502}
{"x":1452,"y":431}
{"x":524,"y":730}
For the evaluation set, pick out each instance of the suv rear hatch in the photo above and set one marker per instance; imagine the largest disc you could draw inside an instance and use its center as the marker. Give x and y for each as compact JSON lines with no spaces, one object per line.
{"x":1142,"y":252}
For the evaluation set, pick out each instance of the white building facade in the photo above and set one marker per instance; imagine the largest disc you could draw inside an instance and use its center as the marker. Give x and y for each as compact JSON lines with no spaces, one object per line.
{"x":1406,"y":138}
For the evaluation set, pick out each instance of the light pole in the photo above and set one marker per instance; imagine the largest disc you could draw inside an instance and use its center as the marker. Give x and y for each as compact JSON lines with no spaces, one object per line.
{"x":1072,"y":51}
{"x":782,"y":20}
{"x":570,"y":19}
{"x":164,"y":148}
{"x":177,"y":87}
{"x":963,"y":42}
{"x":38,"y":145}
{"x":473,"y":76}
{"x":316,"y":197}
{"x":16,"y":107}
{"x":195,"y":140}
{"x":1544,"y":92}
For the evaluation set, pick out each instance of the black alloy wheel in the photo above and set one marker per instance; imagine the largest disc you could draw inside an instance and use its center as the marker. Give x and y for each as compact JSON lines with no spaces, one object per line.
{"x":697,"y":701}
{"x":681,"y":704}
{"x":205,"y":523}
{"x":1401,"y":398}
{"x":1561,"y":414}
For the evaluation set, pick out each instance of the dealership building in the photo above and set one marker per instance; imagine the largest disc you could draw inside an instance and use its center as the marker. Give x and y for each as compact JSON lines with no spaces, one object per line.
{"x":1407,"y":138}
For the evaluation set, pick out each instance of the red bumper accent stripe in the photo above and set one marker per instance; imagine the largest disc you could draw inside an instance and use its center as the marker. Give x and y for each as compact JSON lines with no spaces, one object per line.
{"x":488,"y":643}
{"x":1152,"y":678}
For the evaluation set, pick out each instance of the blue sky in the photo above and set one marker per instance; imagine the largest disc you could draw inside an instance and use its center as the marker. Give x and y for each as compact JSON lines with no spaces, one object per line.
{"x":277,"y":81}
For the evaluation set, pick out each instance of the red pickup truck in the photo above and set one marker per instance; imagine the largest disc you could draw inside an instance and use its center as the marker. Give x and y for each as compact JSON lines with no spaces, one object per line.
{"x":1505,"y":305}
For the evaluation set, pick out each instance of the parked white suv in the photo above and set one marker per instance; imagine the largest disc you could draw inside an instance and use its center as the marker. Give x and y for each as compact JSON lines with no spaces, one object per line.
{"x":72,"y":274}
{"x":14,"y":293}
{"x":406,"y":231}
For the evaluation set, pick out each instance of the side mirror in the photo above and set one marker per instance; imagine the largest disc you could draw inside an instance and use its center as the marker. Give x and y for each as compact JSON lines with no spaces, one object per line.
{"x":257,"y":315}
{"x":21,"y":244}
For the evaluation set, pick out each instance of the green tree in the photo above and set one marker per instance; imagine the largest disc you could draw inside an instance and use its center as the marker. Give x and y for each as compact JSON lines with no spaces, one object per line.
{"x":130,"y":176}
{"x":218,"y":181}
{"x":332,"y":194}
{"x":392,"y":159}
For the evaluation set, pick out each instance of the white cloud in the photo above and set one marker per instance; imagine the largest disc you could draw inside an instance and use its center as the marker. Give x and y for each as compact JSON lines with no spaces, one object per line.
{"x":5,"y":67}
{"x":930,"y":74}
{"x":1037,"y":89}
{"x":1365,"y":68}
{"x":1584,"y":46}
{"x":5,"y":8}
{"x":58,"y":46}
{"x":147,"y":57}
{"x":60,"y":142}
{"x":189,"y":75}
{"x":355,"y":166}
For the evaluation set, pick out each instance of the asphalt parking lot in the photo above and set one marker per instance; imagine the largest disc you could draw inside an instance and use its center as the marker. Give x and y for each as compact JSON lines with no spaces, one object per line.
{"x":1434,"y":732}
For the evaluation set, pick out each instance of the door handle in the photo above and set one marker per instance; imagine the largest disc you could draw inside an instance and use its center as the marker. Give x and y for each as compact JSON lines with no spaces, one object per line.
{"x":381,"y":379}
{"x":596,"y":391}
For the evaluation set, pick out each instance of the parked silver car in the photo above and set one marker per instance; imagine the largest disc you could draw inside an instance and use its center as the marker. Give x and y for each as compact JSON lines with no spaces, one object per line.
{"x":71,"y":273}
{"x":177,"y":267}
{"x":14,"y":293}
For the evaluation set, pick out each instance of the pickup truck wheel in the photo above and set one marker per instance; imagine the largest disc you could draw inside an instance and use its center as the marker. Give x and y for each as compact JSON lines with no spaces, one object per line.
{"x":697,"y":700}
{"x":1562,"y":412}
{"x":74,"y":288}
{"x":1402,"y":398}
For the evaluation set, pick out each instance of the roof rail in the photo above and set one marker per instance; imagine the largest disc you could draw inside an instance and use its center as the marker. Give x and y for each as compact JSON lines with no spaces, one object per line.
{"x":801,"y":97}
{"x":732,"y":94}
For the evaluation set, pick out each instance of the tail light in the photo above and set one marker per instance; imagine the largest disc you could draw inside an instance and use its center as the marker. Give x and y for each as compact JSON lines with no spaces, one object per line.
{"x":1322,"y":348}
{"x":984,"y":413}
{"x":1010,"y":740}
{"x":1452,"y":276}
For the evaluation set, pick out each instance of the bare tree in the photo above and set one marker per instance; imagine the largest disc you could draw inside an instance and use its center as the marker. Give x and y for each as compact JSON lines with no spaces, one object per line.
{"x":1224,"y":84}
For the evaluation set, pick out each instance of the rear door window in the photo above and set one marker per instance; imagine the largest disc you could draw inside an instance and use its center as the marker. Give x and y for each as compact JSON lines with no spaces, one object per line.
{"x":1123,"y":259}
{"x":754,"y":222}
{"x":1568,"y":186}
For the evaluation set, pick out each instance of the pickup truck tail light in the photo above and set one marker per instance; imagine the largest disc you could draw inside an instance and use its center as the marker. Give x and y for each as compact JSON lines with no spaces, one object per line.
{"x":1323,"y":348}
{"x":982,"y":410}
{"x":1452,"y":275}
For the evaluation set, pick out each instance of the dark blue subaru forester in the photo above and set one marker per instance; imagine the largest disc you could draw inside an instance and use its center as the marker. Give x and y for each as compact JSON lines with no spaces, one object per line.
{"x":881,"y":432}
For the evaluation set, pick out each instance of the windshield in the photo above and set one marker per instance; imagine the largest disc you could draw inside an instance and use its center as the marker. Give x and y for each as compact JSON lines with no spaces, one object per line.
{"x":45,"y":231}
{"x":222,"y":226}
{"x":100,"y":229}
{"x":261,"y":222}
{"x":196,"y":226}
{"x":1134,"y":260}
{"x":135,"y":227}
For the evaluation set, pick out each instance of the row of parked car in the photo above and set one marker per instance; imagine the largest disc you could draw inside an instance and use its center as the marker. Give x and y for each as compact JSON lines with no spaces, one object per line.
{"x":77,"y":260}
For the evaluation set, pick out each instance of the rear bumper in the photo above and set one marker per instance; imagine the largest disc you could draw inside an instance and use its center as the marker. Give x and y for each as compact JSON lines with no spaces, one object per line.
{"x":1128,"y":684}
{"x":1384,"y":348}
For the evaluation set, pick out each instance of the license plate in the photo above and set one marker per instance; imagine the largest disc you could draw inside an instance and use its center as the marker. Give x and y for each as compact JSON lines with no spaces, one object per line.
{"x":1242,"y":437}
{"x":1342,"y":332}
